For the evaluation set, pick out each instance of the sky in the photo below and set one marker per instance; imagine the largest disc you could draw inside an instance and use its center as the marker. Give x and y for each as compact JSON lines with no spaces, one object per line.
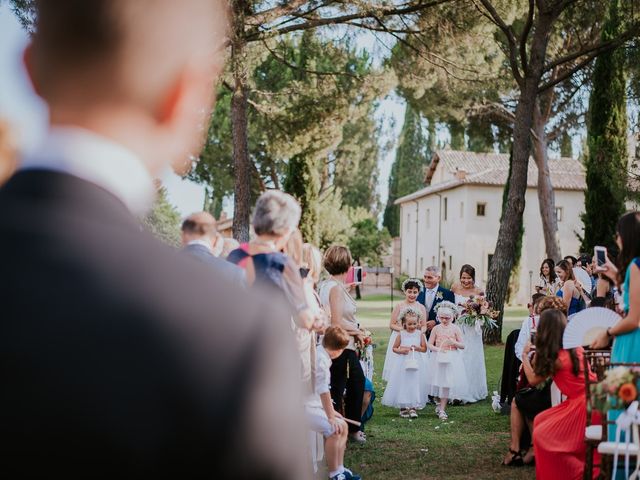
{"x":28,"y":116}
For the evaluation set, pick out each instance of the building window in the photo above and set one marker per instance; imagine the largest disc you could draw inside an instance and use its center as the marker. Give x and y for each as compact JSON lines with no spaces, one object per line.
{"x":433,"y":260}
{"x":428,"y":218}
{"x":421,"y":264}
{"x":407,"y":265}
{"x":408,"y":221}
{"x":481,"y":209}
{"x":445,"y":209}
{"x":559,"y":214}
{"x":461,"y":209}
{"x":450,"y":263}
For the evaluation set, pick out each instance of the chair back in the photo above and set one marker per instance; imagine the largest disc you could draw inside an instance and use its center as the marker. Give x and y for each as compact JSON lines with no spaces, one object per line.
{"x":596,"y":361}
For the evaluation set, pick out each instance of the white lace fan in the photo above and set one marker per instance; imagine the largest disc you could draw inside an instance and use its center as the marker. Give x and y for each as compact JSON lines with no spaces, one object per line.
{"x":584,"y":326}
{"x":583,"y":277}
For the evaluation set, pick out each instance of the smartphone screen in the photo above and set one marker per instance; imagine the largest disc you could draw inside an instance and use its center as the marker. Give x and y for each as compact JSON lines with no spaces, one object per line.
{"x":357,"y":274}
{"x":601,"y":256}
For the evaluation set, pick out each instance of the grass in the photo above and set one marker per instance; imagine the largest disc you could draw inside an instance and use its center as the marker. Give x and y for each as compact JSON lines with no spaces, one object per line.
{"x":471,"y":444}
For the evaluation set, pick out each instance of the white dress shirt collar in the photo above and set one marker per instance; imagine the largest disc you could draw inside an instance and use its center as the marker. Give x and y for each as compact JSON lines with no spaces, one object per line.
{"x":96,"y":159}
{"x":433,"y":290}
{"x":203,"y":243}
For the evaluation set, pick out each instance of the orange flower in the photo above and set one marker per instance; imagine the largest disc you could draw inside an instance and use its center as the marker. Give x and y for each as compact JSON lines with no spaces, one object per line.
{"x":628,"y":392}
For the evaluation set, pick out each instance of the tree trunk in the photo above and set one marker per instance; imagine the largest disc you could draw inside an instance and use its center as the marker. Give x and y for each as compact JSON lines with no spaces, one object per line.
{"x":511,"y":223}
{"x":239,"y":125}
{"x":546,"y":194}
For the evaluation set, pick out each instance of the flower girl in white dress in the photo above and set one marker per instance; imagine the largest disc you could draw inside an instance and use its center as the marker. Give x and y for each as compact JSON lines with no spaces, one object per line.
{"x":446,"y":377}
{"x":406,"y":389}
{"x":411,"y":288}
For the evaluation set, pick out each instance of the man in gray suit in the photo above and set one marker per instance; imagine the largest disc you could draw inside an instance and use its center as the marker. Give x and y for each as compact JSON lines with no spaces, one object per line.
{"x":201,"y":240}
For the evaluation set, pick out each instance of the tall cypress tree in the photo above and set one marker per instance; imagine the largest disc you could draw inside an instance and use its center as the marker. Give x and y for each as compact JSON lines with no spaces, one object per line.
{"x":407,"y":171}
{"x":607,"y":160}
{"x":303,"y":182}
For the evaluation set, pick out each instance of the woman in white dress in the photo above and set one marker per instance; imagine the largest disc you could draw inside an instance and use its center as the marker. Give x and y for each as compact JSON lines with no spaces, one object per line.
{"x":473,"y":354}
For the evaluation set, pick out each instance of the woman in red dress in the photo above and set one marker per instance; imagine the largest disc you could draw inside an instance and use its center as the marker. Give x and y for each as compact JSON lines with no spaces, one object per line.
{"x":558,"y":438}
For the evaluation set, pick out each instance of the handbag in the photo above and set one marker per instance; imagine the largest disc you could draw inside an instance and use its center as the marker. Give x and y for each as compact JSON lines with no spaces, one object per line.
{"x":412,"y":362}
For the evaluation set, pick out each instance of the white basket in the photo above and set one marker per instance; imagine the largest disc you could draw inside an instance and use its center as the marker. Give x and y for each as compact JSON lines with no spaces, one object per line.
{"x":412,"y":362}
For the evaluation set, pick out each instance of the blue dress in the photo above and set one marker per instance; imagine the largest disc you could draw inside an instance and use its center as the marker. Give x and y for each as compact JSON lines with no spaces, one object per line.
{"x":574,"y":306}
{"x":626,"y":348}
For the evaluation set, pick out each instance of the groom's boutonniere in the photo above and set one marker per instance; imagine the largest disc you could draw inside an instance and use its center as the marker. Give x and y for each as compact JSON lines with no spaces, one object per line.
{"x":439,"y":296}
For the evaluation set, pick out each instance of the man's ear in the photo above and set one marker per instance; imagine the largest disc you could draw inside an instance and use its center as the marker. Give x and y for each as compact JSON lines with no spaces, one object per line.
{"x":171,"y":103}
{"x":27,"y":61}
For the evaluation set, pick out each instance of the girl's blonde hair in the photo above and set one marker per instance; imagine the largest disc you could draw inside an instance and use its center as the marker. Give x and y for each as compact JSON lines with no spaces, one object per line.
{"x":447,"y":306}
{"x":409,"y":311}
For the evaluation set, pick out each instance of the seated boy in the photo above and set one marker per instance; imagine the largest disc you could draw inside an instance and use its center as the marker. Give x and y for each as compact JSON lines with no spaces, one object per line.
{"x":321,"y":415}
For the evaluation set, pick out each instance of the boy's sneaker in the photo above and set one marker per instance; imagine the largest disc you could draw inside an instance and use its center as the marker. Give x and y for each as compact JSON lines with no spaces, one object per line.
{"x":346,"y":475}
{"x":349,"y":475}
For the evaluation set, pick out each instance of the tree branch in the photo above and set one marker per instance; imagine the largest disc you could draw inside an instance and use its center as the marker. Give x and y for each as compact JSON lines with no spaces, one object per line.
{"x":525,"y":35}
{"x":266,"y":16}
{"x":319,"y":22}
{"x":492,"y":14}
{"x":596,"y":49}
{"x":305,"y":70}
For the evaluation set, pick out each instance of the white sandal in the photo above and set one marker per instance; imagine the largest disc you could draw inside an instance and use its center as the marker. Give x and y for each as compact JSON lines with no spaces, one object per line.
{"x":442,"y":415}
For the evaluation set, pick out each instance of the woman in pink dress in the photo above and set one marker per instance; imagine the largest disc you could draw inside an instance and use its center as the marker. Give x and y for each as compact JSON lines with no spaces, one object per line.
{"x":558,"y":434}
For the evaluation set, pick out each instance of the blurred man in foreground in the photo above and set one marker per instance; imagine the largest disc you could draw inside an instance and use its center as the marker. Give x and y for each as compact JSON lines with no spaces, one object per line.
{"x":119,"y":357}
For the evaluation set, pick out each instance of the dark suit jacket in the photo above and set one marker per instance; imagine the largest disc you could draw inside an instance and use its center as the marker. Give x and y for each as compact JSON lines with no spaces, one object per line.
{"x":223,"y":269}
{"x":446,"y":295}
{"x":120,"y":357}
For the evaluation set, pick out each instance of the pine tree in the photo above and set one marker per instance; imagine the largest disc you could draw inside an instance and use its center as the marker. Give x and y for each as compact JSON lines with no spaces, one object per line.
{"x":407,"y":171}
{"x":607,"y":159}
{"x":163,"y":220}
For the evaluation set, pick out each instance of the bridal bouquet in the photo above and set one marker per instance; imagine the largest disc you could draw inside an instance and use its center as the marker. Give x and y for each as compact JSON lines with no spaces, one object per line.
{"x":617,"y":389}
{"x":477,"y":312}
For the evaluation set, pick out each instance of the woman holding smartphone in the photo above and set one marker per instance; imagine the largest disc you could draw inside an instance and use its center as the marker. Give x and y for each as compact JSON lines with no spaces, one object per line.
{"x":346,"y":371}
{"x":626,"y":334}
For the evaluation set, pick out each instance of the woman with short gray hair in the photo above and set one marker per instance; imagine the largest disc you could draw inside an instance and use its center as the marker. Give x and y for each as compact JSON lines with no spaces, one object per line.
{"x":276,"y":214}
{"x":275,"y":219}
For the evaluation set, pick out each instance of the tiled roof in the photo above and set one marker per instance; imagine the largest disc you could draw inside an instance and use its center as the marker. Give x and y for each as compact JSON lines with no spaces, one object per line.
{"x":493,"y":169}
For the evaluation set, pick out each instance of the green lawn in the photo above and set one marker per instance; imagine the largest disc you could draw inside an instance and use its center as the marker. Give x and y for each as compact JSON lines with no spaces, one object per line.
{"x":471,"y":444}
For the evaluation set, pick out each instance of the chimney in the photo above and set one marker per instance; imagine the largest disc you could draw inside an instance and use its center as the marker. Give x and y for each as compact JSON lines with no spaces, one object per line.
{"x":461,"y":174}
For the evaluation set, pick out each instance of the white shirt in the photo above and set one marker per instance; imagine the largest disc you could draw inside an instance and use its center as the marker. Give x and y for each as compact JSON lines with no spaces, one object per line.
{"x":204,"y":243}
{"x":96,"y":159}
{"x":323,"y":371}
{"x":430,"y":296}
{"x":523,"y":336}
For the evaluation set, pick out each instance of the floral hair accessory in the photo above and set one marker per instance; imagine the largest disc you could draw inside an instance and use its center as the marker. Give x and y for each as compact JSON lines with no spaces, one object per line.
{"x":412,"y":280}
{"x":446,"y":307}
{"x":409,"y":311}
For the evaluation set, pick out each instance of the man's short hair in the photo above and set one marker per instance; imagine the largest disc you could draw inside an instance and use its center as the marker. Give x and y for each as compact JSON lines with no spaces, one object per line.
{"x":335,"y":338}
{"x":200,"y":224}
{"x":433,"y":269}
{"x":101,"y":49}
